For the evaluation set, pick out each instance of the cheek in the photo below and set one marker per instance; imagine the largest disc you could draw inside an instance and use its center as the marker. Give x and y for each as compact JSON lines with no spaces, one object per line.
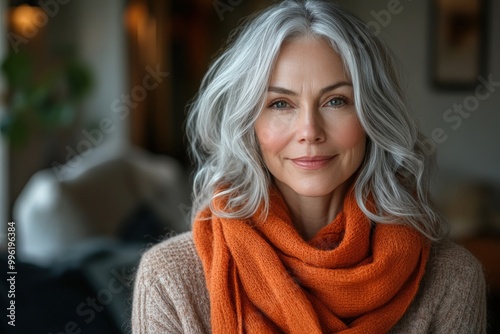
{"x":350,"y":135}
{"x":271,"y":133}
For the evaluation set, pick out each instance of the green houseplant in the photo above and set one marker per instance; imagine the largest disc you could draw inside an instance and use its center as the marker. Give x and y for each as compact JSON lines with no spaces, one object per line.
{"x":41,"y":100}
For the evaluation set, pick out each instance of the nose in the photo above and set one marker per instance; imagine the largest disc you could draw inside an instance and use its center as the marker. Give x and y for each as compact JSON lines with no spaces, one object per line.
{"x":310,"y":127}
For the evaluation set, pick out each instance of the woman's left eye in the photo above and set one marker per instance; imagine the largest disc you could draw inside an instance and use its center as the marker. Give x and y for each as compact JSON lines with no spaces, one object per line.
{"x":336,"y":102}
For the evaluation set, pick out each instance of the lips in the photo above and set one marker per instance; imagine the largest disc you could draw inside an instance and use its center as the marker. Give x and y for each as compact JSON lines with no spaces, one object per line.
{"x":312,"y":162}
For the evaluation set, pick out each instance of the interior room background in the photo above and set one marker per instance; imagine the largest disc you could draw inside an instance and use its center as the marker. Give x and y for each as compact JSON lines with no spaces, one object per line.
{"x":93,"y":160}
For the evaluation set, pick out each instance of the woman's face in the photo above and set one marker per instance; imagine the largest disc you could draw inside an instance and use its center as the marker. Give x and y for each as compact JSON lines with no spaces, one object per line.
{"x":309,"y":134}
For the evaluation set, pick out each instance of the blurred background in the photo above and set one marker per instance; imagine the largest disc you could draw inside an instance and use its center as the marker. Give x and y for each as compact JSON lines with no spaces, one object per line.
{"x":93,"y":165}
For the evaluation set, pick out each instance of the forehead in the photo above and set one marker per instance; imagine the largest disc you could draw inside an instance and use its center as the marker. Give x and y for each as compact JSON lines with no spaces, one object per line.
{"x":301,"y":58}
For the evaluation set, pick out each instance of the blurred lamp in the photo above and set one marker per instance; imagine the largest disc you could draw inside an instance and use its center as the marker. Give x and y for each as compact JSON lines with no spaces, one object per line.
{"x":23,"y":17}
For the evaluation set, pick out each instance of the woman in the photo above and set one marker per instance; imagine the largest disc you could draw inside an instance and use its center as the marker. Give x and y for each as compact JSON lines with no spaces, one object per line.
{"x":311,"y":200}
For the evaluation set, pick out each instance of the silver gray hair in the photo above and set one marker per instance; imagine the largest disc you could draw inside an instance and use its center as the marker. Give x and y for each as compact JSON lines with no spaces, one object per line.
{"x":395,"y":173}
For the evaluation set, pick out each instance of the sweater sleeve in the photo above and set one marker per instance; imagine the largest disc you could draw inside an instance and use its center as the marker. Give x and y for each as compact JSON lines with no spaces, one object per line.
{"x":462,"y":307}
{"x":153,"y":312}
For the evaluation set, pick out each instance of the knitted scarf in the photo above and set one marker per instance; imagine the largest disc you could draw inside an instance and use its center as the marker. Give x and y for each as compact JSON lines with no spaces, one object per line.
{"x":352,"y":277}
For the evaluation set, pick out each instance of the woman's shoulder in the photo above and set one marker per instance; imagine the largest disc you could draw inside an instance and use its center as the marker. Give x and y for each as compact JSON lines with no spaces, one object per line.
{"x":175,"y":244}
{"x":175,"y":256}
{"x":449,"y":257}
{"x":451,"y":267}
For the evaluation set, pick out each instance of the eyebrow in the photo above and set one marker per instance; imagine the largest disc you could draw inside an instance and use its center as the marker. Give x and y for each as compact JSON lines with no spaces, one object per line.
{"x":327,"y":89}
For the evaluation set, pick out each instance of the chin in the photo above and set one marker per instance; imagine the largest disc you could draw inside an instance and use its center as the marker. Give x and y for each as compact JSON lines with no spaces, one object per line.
{"x":313,"y":190}
{"x":316,"y":187}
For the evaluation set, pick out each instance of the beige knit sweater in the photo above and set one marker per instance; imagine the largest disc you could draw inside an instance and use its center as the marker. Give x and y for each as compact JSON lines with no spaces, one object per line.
{"x":170,"y":295}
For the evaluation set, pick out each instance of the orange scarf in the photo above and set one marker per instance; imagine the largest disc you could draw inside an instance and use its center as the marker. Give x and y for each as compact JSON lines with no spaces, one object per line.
{"x":352,"y":277}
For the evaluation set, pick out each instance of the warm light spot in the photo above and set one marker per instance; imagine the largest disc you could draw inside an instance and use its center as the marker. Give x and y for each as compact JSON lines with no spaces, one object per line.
{"x":144,"y":28}
{"x":136,"y":15}
{"x":27,"y":19}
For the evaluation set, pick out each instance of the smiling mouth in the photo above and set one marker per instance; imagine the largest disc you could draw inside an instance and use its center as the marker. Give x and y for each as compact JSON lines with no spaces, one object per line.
{"x":312,"y":163}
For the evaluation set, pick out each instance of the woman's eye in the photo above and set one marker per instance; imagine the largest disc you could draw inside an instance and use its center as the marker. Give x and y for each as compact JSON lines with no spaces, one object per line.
{"x":280,"y":105}
{"x":336,"y":102}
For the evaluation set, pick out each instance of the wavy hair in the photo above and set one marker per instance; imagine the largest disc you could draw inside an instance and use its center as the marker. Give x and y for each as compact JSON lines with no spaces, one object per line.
{"x":395,"y":173}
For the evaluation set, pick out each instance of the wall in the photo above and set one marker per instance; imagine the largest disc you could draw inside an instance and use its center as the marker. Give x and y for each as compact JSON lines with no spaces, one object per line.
{"x":473,"y":149}
{"x":101,"y":36}
{"x":96,"y":30}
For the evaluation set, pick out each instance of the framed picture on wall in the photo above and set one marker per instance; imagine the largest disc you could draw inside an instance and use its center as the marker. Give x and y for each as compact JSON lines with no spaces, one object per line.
{"x":459,"y":43}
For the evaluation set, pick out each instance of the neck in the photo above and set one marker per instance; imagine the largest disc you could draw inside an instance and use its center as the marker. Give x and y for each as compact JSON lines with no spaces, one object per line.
{"x":311,"y":214}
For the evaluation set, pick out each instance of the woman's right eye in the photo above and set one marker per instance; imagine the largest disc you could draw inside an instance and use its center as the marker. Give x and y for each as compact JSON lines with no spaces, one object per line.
{"x":279,"y":105}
